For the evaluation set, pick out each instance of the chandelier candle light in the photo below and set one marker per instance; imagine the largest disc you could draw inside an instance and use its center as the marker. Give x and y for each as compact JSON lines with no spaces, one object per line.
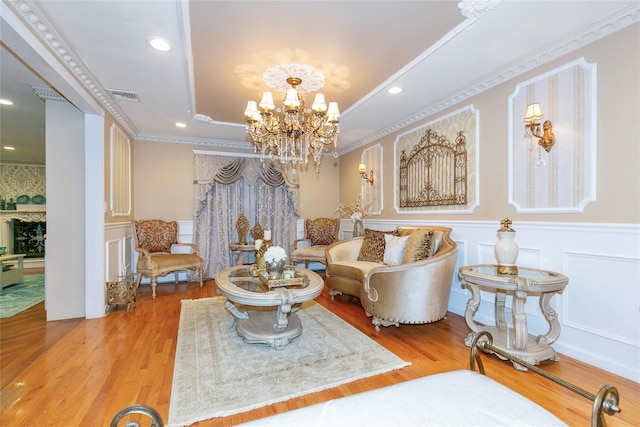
{"x":298,"y":132}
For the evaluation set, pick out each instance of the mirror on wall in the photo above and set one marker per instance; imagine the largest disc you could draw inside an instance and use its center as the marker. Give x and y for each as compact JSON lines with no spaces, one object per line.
{"x":22,"y":124}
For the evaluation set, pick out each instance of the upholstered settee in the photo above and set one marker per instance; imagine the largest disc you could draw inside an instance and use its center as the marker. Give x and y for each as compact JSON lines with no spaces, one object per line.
{"x":414,"y":289}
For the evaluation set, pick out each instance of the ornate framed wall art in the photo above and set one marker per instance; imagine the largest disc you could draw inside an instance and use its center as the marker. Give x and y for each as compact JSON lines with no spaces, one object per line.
{"x":435,"y":165}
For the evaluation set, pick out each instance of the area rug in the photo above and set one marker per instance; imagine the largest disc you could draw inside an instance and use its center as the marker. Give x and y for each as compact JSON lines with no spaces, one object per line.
{"x":217,"y":374}
{"x":16,"y":298}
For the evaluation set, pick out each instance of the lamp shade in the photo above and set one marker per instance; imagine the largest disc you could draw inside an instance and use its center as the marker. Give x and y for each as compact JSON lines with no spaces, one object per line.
{"x":267,"y":102}
{"x":292,"y":100}
{"x":533,"y":113}
{"x":319,"y":105}
{"x":333,"y":114}
{"x":251,"y":113}
{"x":362,"y":168}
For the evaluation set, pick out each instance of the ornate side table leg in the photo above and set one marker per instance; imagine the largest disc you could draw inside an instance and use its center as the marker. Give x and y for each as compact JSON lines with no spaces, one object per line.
{"x":519,"y":315}
{"x":550,"y":314}
{"x":498,"y":310}
{"x":472,"y":306}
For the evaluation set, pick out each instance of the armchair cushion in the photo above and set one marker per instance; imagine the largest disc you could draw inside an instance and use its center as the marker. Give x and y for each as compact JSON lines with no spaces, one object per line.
{"x":322,"y":231}
{"x":372,"y":249}
{"x":156,"y":235}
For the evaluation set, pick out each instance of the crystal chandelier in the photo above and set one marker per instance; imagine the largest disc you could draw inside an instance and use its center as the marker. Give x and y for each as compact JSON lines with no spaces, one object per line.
{"x":296,"y":133}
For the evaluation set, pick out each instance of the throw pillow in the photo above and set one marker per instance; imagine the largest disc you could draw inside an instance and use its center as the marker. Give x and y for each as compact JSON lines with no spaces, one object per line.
{"x":156,"y":235}
{"x":394,"y":247}
{"x":322,"y":231}
{"x":421,"y":245}
{"x":372,"y":248}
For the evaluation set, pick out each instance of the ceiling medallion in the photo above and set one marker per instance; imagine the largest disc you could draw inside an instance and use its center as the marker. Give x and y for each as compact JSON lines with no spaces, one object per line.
{"x":276,"y":78}
{"x":295,"y":133}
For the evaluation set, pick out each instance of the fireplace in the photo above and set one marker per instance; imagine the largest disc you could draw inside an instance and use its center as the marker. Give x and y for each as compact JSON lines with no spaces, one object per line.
{"x":28,"y":238}
{"x":16,"y":241}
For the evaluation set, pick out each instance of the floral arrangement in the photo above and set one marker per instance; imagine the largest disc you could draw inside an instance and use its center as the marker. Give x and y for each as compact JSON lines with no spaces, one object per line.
{"x":356,"y":211}
{"x":275,"y":254}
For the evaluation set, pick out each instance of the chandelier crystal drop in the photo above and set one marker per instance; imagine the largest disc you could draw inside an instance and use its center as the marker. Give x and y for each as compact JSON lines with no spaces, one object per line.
{"x":296,"y":133}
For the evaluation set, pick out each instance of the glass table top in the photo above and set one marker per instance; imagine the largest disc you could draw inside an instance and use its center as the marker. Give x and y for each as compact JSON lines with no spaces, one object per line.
{"x":243,"y":279}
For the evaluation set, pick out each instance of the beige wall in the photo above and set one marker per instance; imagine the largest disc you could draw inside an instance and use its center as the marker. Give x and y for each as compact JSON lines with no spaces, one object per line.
{"x":163,"y":171}
{"x":163,"y":183}
{"x":618,"y":139}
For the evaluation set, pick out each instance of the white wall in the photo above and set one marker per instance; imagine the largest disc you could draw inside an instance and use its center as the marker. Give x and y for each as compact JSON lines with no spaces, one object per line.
{"x":65,"y":244}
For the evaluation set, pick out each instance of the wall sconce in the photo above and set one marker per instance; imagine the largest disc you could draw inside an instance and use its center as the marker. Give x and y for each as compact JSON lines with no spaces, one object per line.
{"x":362,"y":169}
{"x":546,"y":138}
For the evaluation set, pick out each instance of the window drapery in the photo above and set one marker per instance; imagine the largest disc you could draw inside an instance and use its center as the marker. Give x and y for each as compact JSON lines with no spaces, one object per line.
{"x":225,"y":188}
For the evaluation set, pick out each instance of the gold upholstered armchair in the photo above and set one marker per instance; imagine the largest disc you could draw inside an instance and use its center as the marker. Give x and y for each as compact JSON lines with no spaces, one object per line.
{"x":318,"y":234}
{"x":156,"y":244}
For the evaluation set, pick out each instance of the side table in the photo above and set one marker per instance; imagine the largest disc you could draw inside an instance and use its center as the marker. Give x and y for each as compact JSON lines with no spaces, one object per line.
{"x":239,"y":250}
{"x":528,"y":281}
{"x":121,"y":291}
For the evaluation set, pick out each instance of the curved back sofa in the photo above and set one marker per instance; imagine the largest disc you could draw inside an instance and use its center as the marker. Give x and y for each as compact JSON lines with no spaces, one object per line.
{"x":411,"y":292}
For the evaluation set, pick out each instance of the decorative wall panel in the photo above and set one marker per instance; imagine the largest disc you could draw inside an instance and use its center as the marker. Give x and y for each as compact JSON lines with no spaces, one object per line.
{"x":435,"y":165}
{"x":564,"y":179}
{"x":372,"y":158}
{"x":120,"y":173}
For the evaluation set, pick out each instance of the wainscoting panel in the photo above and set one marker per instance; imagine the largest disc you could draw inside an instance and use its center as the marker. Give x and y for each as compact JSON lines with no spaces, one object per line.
{"x":617,"y":303}
{"x":119,"y":243}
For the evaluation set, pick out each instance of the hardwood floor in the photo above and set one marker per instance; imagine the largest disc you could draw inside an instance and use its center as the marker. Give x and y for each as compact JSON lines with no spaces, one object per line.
{"x":82,"y":372}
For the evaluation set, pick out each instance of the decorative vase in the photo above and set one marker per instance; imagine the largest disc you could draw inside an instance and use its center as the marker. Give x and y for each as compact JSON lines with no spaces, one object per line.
{"x":275,"y":269}
{"x":506,"y":249}
{"x":358,"y":228}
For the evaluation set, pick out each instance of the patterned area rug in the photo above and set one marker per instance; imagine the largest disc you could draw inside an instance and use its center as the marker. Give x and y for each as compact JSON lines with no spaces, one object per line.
{"x":16,"y":298}
{"x":217,"y":374}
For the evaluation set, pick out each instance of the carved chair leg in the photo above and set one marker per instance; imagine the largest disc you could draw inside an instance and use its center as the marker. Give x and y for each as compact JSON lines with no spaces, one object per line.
{"x":154,"y":283}
{"x":175,"y":274}
{"x":200,"y":274}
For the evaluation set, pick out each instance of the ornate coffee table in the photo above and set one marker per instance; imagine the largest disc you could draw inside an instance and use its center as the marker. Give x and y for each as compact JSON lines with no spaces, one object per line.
{"x":257,"y":321}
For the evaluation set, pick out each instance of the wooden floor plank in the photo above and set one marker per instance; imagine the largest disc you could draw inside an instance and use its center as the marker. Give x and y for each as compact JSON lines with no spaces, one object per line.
{"x":82,"y":372}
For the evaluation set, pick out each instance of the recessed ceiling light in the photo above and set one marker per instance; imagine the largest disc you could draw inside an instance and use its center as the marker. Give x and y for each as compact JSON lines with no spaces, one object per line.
{"x":181,"y":125}
{"x":5,"y":102}
{"x":8,"y":147}
{"x":160,"y":44}
{"x":394,"y":90}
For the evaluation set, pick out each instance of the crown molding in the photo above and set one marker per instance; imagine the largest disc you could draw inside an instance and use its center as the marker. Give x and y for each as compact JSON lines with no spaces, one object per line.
{"x":34,"y":19}
{"x":221,"y":143}
{"x":597,"y":31}
{"x":47,"y":94}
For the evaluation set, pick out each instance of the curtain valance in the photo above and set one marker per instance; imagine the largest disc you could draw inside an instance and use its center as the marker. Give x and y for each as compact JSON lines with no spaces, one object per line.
{"x":228,"y":169}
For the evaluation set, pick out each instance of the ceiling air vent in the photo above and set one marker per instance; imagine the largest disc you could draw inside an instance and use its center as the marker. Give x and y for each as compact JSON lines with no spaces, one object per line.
{"x":123,"y":95}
